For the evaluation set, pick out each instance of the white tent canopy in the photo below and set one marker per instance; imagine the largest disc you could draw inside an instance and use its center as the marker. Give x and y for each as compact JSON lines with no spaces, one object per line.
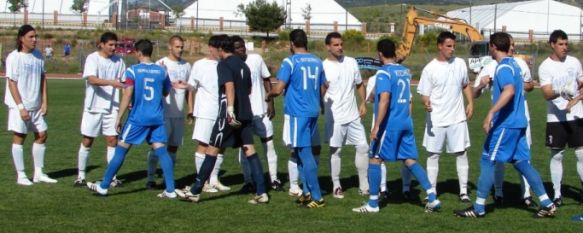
{"x":540,"y":16}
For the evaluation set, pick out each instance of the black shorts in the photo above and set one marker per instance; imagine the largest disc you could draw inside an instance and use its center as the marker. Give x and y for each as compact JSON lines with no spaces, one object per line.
{"x":560,"y":134}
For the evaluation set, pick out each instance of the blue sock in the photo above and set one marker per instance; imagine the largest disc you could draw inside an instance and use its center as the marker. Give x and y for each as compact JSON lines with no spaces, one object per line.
{"x":257,"y":173}
{"x":113,"y":166}
{"x":485,"y":182}
{"x":167,"y":167}
{"x":421,"y":176}
{"x":310,"y":171}
{"x":301,"y":175}
{"x":374,"y":182}
{"x":205,"y":172}
{"x":534,"y":180}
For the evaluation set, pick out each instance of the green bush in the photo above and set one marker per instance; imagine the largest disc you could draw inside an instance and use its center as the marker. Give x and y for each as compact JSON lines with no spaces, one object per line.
{"x":428,"y":39}
{"x":352,"y":35}
{"x":283,"y":35}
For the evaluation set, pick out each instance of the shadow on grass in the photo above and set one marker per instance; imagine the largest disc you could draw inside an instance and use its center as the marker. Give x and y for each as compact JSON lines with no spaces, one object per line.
{"x":69,"y":172}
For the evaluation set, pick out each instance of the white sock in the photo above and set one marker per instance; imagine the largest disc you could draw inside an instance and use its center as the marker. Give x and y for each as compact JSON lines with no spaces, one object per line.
{"x":292,"y":169}
{"x":361,"y":163}
{"x":82,"y":159}
{"x":405,"y":178}
{"x":38,"y":155}
{"x":110,"y":154}
{"x":463,"y":169}
{"x":499,"y":171}
{"x":18,"y":159}
{"x":433,"y":168}
{"x":214,"y":179}
{"x":579,"y":154}
{"x":557,"y":170}
{"x":271,"y":159}
{"x":152,"y":165}
{"x":383,"y":177}
{"x":198,"y":159}
{"x":335,"y":164}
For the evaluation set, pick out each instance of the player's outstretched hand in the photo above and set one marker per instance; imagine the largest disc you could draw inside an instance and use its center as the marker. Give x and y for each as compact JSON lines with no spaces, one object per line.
{"x":24,"y":115}
{"x":180,"y":84}
{"x":270,"y":110}
{"x":118,"y":126}
{"x":469,"y":111}
{"x":189,"y":118}
{"x":117,"y":84}
{"x":428,"y":106}
{"x":231,"y":118}
{"x":571,"y":103}
{"x":487,"y":122}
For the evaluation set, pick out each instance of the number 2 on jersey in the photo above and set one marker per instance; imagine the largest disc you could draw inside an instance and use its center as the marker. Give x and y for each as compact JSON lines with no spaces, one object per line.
{"x":149,"y":90}
{"x":307,"y":74}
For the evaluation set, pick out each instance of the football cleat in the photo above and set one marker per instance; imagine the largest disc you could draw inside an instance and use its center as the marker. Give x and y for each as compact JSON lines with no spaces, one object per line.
{"x":186,"y":195}
{"x":23,"y":181}
{"x":209,"y":189}
{"x":260,"y":199}
{"x":529,"y":203}
{"x":96,"y":188}
{"x":315,"y":204}
{"x":220,"y":187}
{"x":338,"y":193}
{"x":80,"y":182}
{"x":577,"y":218}
{"x":150,"y":185}
{"x":465,"y":198}
{"x":277,"y":186}
{"x":366,"y":209}
{"x":295,"y":191}
{"x":43,"y":178}
{"x":546,"y":211}
{"x":468,"y":213}
{"x":558,"y":201}
{"x":433,"y":206}
{"x":167,"y":195}
{"x":115,"y":183}
{"x":303,"y":199}
{"x":365,"y":192}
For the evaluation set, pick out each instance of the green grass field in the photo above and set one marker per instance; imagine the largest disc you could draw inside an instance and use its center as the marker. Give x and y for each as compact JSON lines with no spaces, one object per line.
{"x":132,"y":208}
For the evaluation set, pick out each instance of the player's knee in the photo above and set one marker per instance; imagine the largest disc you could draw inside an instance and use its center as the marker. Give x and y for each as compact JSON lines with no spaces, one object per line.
{"x":335,"y":151}
{"x":375,"y":161}
{"x":249,"y":150}
{"x":110,"y":140}
{"x":557,"y":154}
{"x":433,"y":156}
{"x":362,"y":149}
{"x":41,"y":137}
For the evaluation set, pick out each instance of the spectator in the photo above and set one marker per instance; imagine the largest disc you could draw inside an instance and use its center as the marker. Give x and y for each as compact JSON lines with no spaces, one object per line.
{"x":67,"y":49}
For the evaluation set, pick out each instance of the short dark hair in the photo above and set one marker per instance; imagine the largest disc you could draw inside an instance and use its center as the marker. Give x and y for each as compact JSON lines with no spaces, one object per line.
{"x":298,"y":38}
{"x":501,"y":40}
{"x":236,"y":38}
{"x":227,"y":44}
{"x":21,"y":32}
{"x":332,"y":35}
{"x":444,"y":36}
{"x":215,"y":41}
{"x":387,"y":48}
{"x":175,"y":37}
{"x":107,"y":36}
{"x":556,"y":35}
{"x":145,"y":47}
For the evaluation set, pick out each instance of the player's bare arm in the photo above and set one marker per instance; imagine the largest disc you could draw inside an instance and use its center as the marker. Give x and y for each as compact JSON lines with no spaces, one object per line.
{"x":470,"y":99}
{"x":123,"y":105}
{"x":528,"y":86}
{"x":94,"y":80}
{"x":270,"y":103}
{"x":190,"y":103}
{"x":484,"y":82}
{"x":13,"y":87}
{"x":276,"y":90}
{"x":323,"y":90}
{"x":426,"y":103}
{"x":361,"y":91}
{"x":383,"y":108}
{"x":44,"y":107}
{"x":505,"y":97}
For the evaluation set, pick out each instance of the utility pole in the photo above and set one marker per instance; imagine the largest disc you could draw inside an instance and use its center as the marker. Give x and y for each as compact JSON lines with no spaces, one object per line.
{"x":495,"y":14}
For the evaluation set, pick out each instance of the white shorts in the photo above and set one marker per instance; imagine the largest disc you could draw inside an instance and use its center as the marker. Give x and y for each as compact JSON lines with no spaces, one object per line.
{"x":457,"y":136}
{"x":94,"y":124}
{"x":203,"y":128}
{"x":351,"y":133}
{"x":174,"y":130}
{"x":36,"y":123}
{"x":262,"y":126}
{"x":286,"y":134}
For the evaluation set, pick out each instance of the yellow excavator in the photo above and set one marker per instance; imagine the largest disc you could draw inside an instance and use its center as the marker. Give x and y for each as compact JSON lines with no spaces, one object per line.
{"x":478,"y":52}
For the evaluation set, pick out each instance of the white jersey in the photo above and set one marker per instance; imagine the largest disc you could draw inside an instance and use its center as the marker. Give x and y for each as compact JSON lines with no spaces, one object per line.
{"x":204,"y":78}
{"x":550,"y":72}
{"x":27,"y":70}
{"x":102,"y":99}
{"x":259,"y":72}
{"x":444,"y":82}
{"x":490,"y":69}
{"x":177,"y":71}
{"x":342,"y":77}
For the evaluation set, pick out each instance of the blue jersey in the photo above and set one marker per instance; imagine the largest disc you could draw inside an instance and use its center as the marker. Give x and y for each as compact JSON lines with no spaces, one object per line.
{"x":512,"y":115}
{"x":150,"y":83}
{"x":303,"y":74}
{"x":394,"y":79}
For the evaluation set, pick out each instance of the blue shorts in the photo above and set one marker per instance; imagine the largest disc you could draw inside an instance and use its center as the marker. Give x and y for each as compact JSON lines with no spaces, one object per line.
{"x":301,"y":131}
{"x":506,"y":145}
{"x":395,"y":145}
{"x":136,"y":134}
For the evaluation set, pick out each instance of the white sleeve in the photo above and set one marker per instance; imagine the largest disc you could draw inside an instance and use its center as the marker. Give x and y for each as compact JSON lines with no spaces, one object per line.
{"x":12,"y":67}
{"x":579,"y":71}
{"x":544,"y":75}
{"x":121,"y":71}
{"x":91,"y":66}
{"x":424,"y":87}
{"x":464,"y":72}
{"x":370,"y":86}
{"x":357,"y":76}
{"x":192,"y":81}
{"x":264,"y":70}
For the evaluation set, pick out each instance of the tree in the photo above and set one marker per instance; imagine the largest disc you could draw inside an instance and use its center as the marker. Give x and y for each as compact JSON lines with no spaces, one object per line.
{"x":307,"y":12}
{"x":262,"y":16}
{"x":178,"y":11}
{"x":78,"y":6}
{"x":16,"y":5}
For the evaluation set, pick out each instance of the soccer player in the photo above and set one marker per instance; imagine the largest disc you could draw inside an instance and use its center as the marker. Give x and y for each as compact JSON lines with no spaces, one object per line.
{"x":342,"y":114}
{"x":561,"y":80}
{"x":443,"y":82}
{"x":392,"y":136}
{"x":484,"y":80}
{"x":146,"y":85}
{"x":263,"y":111}
{"x":26,"y":98}
{"x":103,"y":74}
{"x":204,"y":81}
{"x":178,"y":71}
{"x":506,"y":125}
{"x":302,"y":76}
{"x":233,"y":126}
